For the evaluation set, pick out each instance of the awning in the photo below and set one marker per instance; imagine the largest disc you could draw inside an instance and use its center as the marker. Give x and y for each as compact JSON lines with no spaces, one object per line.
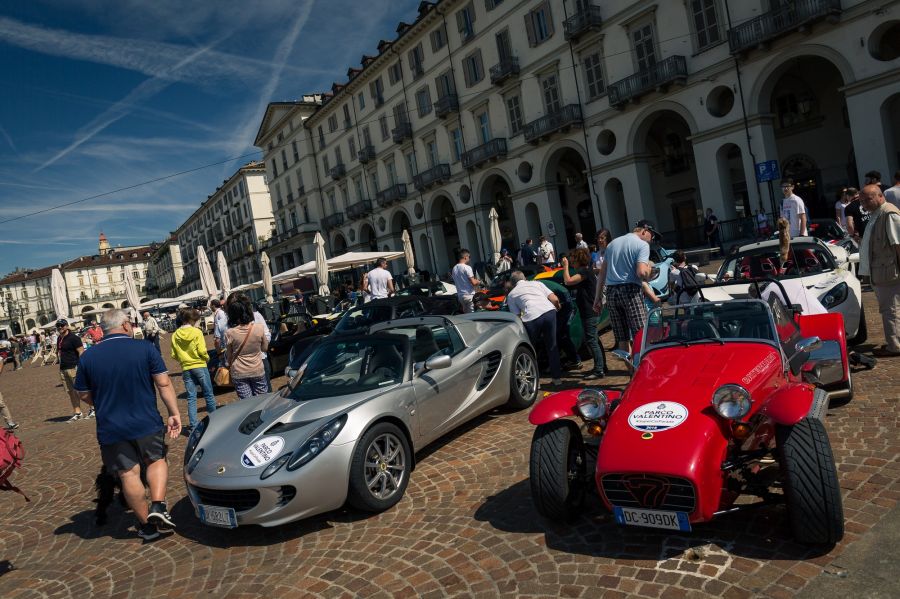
{"x":337,"y":263}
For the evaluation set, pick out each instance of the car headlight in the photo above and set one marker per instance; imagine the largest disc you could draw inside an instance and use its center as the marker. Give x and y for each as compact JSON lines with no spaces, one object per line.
{"x":194,"y":439}
{"x":274,"y":467}
{"x":591,"y":404}
{"x":835,"y":295}
{"x":731,"y":401}
{"x":313,"y":446}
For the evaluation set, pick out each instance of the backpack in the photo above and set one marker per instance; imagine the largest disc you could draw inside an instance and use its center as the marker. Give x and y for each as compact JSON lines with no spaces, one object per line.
{"x":689,"y":282}
{"x":11,"y":454}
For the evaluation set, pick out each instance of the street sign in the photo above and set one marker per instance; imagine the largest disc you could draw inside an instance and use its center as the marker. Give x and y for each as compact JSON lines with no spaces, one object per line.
{"x":767,"y":171}
{"x":551,"y":229}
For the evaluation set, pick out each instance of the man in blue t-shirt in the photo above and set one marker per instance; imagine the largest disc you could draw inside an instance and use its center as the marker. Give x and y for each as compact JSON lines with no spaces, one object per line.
{"x":626,"y":267}
{"x":119,"y":378}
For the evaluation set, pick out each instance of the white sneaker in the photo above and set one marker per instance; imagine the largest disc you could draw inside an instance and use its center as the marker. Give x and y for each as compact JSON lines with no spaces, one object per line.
{"x":75,"y":417}
{"x":91,"y":414}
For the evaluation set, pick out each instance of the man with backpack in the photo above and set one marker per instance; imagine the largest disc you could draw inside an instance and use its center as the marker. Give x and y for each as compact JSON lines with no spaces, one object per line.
{"x":684,"y":280}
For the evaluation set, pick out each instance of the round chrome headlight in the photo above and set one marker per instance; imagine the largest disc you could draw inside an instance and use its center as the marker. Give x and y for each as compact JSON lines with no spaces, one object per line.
{"x":731,"y":401}
{"x":591,"y":404}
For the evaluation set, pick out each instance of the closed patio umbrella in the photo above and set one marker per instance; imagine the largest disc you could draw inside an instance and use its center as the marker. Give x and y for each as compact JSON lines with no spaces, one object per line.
{"x":321,"y":264}
{"x":408,"y":253}
{"x":266,"y":276}
{"x":131,"y":293}
{"x":58,"y":295}
{"x":496,"y":239}
{"x":207,"y":279}
{"x":224,"y":276}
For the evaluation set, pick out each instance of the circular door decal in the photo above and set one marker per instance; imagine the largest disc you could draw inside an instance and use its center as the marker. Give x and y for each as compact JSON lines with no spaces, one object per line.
{"x":262,"y":452}
{"x":657,"y":416}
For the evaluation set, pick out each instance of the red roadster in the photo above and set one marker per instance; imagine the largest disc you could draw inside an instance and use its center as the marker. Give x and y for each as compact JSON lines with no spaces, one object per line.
{"x":727,"y":402}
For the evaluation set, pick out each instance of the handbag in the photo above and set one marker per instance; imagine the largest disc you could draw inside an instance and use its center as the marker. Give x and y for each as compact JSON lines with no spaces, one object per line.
{"x":223,"y":379}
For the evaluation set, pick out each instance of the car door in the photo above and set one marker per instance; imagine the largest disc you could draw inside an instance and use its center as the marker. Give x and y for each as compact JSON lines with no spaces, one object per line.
{"x":447,"y":397}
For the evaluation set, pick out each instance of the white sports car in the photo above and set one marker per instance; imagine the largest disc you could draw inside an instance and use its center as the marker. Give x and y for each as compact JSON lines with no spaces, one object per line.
{"x":823,"y":270}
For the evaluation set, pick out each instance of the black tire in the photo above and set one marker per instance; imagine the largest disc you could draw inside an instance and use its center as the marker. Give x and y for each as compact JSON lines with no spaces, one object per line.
{"x":558,"y":476}
{"x":359,"y":494}
{"x":524,"y":379}
{"x":811,"y":485}
{"x":862,"y":331}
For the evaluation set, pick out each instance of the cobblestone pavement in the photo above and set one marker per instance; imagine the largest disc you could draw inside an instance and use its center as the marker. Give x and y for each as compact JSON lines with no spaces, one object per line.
{"x":465,"y":528}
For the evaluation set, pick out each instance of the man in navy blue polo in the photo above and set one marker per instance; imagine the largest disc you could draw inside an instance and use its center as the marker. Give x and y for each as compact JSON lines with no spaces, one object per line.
{"x":119,"y":378}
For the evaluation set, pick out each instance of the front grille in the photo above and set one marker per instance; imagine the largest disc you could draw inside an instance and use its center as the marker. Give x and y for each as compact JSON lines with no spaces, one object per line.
{"x":649,"y":491}
{"x":241,"y":500}
{"x":250,"y":423}
{"x":285,"y":494}
{"x":491,"y":364}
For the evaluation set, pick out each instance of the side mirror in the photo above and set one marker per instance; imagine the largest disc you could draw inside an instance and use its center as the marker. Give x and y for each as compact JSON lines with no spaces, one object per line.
{"x":624,"y":356}
{"x":809,"y":345}
{"x":853,"y":258}
{"x":438,"y":362}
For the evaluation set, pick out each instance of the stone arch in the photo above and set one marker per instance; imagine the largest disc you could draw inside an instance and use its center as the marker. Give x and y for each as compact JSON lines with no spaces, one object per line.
{"x":125,"y":304}
{"x":43,"y":320}
{"x":433,"y":207}
{"x":338,"y":244}
{"x":87,"y":309}
{"x":494,"y":191}
{"x":368,"y":239}
{"x":532,"y":221}
{"x":397,"y":220}
{"x":108,"y":306}
{"x":554,"y":154}
{"x":30,"y":324}
{"x":568,"y":184}
{"x":765,"y":82}
{"x":443,"y":226}
{"x":644,"y":121}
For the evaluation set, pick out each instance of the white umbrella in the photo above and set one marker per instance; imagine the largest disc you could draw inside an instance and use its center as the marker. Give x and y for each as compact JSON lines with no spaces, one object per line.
{"x":408,"y":253}
{"x":496,"y":239}
{"x":267,"y":276}
{"x":224,"y":277}
{"x":321,"y":264}
{"x":207,"y":279}
{"x":58,"y":295}
{"x":131,"y":293}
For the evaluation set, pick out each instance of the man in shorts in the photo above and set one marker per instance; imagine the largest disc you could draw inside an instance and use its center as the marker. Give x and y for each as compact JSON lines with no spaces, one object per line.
{"x":120,"y":378}
{"x":68,"y":350}
{"x":625,"y":269}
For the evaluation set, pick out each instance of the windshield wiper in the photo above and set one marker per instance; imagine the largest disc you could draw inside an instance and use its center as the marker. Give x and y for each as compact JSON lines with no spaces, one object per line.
{"x":709,"y":339}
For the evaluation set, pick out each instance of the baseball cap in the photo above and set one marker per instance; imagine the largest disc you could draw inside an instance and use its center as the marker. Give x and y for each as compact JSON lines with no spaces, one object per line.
{"x":646,"y":224}
{"x":62,"y":322}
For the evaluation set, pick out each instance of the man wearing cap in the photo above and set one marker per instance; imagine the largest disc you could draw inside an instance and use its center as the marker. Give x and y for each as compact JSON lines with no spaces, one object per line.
{"x":69,"y":349}
{"x":625,"y":269}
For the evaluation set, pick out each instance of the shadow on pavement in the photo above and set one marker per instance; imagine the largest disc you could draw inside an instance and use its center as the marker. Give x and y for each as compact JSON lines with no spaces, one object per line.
{"x":59,"y":419}
{"x":120,"y":525}
{"x":762,"y":534}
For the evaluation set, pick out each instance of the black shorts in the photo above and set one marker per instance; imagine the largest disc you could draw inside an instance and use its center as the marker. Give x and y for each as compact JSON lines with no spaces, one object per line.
{"x":125,"y":455}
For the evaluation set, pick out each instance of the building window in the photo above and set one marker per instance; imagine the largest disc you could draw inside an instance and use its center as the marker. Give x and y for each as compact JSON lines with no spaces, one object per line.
{"x":373,"y":179}
{"x":593,"y":75}
{"x":644,"y":45}
{"x":423,"y":101}
{"x":465,"y":22}
{"x":358,"y":186}
{"x":391,"y":170}
{"x":274,"y":168}
{"x":284,"y":160}
{"x":376,"y":90}
{"x":444,"y":84}
{"x":367,"y":136}
{"x":338,"y":159}
{"x":361,"y":101}
{"x":332,"y":123}
{"x":395,"y":72}
{"x":401,"y":116}
{"x":504,"y":45}
{"x":431,"y":152}
{"x":321,"y":139}
{"x":417,"y":61}
{"x":299,"y":177}
{"x":473,"y":68}
{"x":383,"y":123}
{"x":514,"y":112}
{"x":456,"y":143}
{"x":332,"y":201}
{"x":438,"y":38}
{"x":325,"y":165}
{"x":411,"y":166}
{"x":483,"y":122}
{"x":351,"y":147}
{"x":706,"y":22}
{"x":490,"y":5}
{"x":550,"y":93}
{"x":539,"y":24}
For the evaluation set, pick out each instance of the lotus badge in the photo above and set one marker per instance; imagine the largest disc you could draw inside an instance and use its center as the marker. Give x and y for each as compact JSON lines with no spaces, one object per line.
{"x":221,"y":470}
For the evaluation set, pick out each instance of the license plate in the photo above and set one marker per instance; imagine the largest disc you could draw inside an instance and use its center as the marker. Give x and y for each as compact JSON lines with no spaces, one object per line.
{"x":218,"y":516}
{"x":652,"y":518}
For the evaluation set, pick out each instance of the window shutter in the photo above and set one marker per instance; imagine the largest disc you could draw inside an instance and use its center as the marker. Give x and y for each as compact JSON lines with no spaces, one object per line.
{"x":529,"y":29}
{"x":467,"y":64}
{"x":479,"y":71}
{"x":471,"y":9}
{"x":460,"y":22}
{"x":434,"y":46}
{"x":549,"y":16}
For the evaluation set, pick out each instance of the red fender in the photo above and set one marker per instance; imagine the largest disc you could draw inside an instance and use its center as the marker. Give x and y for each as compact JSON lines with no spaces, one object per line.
{"x":827,"y":327}
{"x":561,"y":405}
{"x":789,"y":404}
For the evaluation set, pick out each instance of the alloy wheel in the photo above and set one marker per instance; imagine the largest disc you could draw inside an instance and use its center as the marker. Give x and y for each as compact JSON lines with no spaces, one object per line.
{"x":385,"y":466}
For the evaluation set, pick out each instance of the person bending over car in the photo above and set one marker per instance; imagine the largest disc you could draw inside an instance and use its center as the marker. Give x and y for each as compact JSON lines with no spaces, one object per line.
{"x":536,"y":305}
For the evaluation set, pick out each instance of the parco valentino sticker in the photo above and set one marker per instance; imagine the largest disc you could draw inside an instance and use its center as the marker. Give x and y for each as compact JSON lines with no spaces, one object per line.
{"x":262,"y":452}
{"x":657,"y":416}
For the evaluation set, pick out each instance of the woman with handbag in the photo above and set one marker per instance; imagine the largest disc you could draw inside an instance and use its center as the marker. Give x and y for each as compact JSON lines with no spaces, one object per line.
{"x":245,"y":342}
{"x":189,"y":348}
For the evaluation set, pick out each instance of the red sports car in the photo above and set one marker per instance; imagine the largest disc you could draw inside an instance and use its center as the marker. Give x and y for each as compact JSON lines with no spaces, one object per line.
{"x":727,"y":401}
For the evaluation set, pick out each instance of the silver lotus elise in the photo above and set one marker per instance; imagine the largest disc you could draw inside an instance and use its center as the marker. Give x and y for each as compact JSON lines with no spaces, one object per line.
{"x":347,"y":426}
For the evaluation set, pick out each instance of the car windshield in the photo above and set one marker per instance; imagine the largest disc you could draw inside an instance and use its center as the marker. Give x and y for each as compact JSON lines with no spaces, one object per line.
{"x":715,"y":322}
{"x":826,"y":229}
{"x":804,"y":259}
{"x":339,"y":367}
{"x":362,"y":317}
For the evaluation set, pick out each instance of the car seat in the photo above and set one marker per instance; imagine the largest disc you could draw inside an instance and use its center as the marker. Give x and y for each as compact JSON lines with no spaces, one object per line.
{"x":425,"y":345}
{"x":700,"y":328}
{"x":385,"y":363}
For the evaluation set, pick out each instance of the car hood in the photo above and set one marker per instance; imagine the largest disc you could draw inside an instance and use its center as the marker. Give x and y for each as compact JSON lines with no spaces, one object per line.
{"x":235,"y":428}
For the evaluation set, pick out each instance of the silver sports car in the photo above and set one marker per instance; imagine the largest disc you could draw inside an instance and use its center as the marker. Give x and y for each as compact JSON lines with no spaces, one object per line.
{"x":347,"y":426}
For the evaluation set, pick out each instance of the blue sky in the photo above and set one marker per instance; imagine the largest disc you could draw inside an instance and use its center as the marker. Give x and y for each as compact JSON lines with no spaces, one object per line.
{"x":97,"y":95}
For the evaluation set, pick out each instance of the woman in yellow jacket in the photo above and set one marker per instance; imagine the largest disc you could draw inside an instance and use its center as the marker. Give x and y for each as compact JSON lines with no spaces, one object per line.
{"x":189,"y":348}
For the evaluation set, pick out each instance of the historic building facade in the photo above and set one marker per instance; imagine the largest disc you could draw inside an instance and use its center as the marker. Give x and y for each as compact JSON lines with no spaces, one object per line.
{"x":235,"y":219}
{"x":166,"y":269}
{"x":567,"y":116}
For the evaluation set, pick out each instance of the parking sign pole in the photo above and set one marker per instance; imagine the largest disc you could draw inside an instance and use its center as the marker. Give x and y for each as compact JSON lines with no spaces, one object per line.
{"x":774,"y":205}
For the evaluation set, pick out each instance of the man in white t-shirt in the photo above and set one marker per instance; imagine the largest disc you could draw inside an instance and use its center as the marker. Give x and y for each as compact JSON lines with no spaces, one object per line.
{"x":379,"y":281}
{"x":546,"y":252}
{"x":580,"y":242}
{"x":465,"y":281}
{"x":793,"y":209}
{"x":536,"y":305}
{"x":892,"y":194}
